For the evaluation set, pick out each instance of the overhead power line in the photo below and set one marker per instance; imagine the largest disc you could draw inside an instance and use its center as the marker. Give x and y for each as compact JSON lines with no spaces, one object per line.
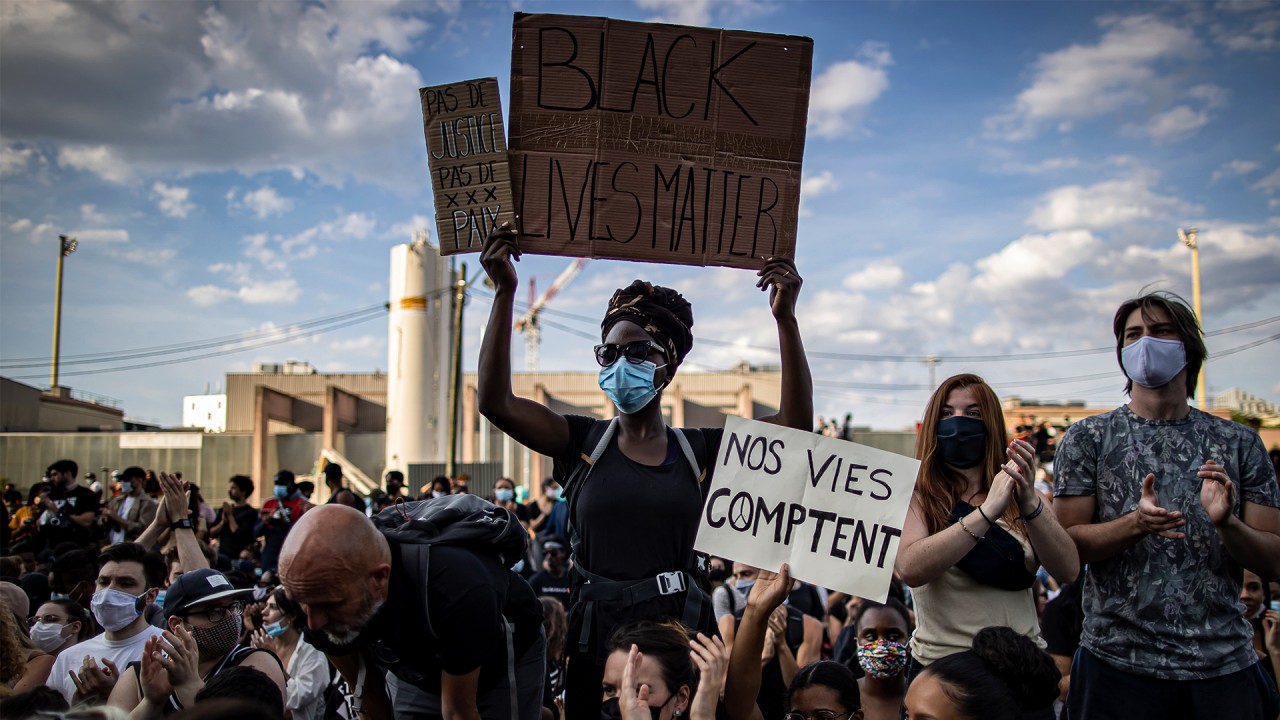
{"x":218,"y":353}
{"x":865,"y":357}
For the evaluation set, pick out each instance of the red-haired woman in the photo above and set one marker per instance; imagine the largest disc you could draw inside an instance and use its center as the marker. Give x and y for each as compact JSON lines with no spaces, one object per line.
{"x":977,"y":530}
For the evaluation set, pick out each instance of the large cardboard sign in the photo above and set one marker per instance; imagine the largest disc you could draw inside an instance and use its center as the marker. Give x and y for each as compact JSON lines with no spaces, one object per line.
{"x":832,"y":508}
{"x":467,"y":154}
{"x":660,"y":143}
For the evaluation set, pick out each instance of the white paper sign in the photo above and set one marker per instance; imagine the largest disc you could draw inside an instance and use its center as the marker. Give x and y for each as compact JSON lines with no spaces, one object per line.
{"x":832,"y":509}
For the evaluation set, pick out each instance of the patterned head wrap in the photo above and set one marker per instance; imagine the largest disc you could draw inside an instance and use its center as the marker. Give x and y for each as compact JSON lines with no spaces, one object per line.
{"x":659,"y":311}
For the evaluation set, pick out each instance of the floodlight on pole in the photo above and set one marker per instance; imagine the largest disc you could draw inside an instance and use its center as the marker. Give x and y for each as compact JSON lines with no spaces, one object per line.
{"x":66,"y":246}
{"x":1188,"y":238}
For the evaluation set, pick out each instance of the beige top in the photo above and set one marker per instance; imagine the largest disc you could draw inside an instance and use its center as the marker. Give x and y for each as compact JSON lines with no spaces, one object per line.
{"x":954,"y":607}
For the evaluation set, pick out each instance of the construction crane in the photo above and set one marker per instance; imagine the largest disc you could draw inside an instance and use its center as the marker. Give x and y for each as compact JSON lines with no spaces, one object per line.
{"x":528,"y":324}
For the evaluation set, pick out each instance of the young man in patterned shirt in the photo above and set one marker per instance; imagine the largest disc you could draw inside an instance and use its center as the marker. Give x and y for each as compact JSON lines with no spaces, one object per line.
{"x":1166,"y":503}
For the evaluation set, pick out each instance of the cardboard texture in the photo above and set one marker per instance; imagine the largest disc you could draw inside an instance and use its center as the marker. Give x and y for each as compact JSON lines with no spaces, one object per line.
{"x":832,"y":509}
{"x":659,"y":143}
{"x":467,"y":154}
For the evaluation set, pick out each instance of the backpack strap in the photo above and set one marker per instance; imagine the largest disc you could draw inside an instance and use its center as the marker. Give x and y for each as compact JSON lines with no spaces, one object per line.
{"x":416,"y":555}
{"x":698,"y":470}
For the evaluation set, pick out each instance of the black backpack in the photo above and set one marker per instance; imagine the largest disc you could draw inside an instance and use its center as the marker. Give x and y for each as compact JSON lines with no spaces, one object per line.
{"x":463,"y":520}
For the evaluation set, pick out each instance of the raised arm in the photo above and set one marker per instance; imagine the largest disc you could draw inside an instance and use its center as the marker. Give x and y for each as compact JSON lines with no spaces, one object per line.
{"x":1055,"y":548}
{"x":190,"y":556}
{"x":782,"y":279}
{"x":743,"y":682}
{"x":529,"y":423}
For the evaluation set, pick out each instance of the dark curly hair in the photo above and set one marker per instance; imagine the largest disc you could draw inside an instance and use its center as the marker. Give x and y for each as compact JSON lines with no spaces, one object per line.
{"x":1003,"y":676}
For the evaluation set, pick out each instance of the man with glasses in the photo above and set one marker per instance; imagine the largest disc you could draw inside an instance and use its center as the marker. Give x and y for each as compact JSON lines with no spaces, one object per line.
{"x":128,"y":578}
{"x":204,"y":617}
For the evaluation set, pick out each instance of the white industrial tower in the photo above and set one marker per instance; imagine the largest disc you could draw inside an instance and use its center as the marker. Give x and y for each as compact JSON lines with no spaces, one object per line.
{"x":418,"y":347}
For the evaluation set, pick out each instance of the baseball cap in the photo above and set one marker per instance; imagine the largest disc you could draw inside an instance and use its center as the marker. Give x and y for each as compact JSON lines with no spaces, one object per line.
{"x":199,"y":586}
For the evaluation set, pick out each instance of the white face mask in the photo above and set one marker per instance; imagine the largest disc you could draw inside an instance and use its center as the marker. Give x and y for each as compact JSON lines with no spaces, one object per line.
{"x":47,"y":636}
{"x":1152,"y":362}
{"x":115,"y":609}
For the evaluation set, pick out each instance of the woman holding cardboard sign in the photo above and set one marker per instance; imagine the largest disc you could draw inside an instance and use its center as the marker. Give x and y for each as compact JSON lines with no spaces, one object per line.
{"x":977,"y":530}
{"x":635,"y":486}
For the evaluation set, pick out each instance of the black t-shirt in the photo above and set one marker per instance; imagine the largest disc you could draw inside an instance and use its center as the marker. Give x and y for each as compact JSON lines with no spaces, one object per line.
{"x":544,"y":583}
{"x":61,"y":528}
{"x":635,"y":521}
{"x":1063,"y":620}
{"x":231,"y":543}
{"x":465,"y":598}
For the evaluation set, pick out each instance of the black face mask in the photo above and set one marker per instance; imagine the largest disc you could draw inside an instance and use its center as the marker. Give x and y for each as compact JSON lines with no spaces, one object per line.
{"x":717,"y":574}
{"x":962,"y":440}
{"x":611,"y":709}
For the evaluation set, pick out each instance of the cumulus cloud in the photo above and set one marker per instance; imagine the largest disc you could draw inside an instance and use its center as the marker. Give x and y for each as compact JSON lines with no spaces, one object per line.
{"x":1270,"y":183}
{"x":89,"y":213}
{"x":1105,"y":204}
{"x":370,"y":345}
{"x":699,"y":12}
{"x":404,"y":231}
{"x":1235,"y":168}
{"x":256,"y":292}
{"x":181,"y":88}
{"x":1032,"y":259}
{"x":841,"y":94}
{"x":100,"y":235}
{"x":100,"y":160}
{"x":265,"y":202}
{"x":14,"y":159}
{"x":877,"y":275}
{"x":812,"y":186}
{"x":1122,"y":71}
{"x":172,"y":199}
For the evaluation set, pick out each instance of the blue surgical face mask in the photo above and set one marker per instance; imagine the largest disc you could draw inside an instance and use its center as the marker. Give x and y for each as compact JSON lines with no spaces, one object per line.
{"x":744,"y":586}
{"x":1152,"y":362}
{"x":275,"y":629}
{"x":504,"y":494}
{"x":282,"y":492}
{"x":160,"y":598}
{"x":629,"y":385}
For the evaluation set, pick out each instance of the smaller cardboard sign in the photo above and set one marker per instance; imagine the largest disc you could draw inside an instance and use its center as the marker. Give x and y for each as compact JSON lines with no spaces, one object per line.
{"x":467,"y":154}
{"x":832,"y":509}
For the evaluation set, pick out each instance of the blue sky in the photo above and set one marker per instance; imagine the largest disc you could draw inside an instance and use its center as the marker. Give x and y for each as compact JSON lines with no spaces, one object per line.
{"x":981,"y":180}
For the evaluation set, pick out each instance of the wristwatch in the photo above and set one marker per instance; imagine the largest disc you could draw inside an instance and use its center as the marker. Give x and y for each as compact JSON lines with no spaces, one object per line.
{"x":183,"y":524}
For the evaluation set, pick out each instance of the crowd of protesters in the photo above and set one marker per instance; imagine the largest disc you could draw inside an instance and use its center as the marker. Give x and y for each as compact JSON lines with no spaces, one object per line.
{"x":1139,"y":581}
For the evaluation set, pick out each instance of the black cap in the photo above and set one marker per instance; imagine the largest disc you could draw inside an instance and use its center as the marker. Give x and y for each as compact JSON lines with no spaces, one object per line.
{"x":284,"y":477}
{"x":198,"y":586}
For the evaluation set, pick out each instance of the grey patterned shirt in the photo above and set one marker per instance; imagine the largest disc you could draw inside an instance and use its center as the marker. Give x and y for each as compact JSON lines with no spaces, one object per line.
{"x":1165,"y":608}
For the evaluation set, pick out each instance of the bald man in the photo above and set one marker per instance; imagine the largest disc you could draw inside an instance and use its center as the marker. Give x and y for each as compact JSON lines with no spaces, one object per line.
{"x":415,"y":635}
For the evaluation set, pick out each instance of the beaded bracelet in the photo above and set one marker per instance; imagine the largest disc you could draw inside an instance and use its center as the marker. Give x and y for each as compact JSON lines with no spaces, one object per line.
{"x":1034,"y":513}
{"x":964,"y":527}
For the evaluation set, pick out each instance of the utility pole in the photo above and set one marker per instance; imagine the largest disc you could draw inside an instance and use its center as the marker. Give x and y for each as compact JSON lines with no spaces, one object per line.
{"x":66,"y":246}
{"x":455,"y":370}
{"x":1188,"y":238}
{"x":932,"y":361}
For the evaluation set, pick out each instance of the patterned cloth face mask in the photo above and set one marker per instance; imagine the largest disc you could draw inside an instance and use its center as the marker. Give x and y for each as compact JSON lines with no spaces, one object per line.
{"x":218,"y":639}
{"x":883,"y":658}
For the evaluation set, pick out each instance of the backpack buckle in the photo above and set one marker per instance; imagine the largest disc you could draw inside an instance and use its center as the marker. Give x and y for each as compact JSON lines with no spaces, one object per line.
{"x":670,"y":583}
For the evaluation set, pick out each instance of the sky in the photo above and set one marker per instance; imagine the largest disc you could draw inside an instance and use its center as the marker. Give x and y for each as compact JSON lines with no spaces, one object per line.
{"x":983,"y":182}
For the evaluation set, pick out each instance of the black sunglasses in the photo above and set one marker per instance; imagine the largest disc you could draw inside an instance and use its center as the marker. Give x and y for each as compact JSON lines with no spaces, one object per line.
{"x":635,"y":352}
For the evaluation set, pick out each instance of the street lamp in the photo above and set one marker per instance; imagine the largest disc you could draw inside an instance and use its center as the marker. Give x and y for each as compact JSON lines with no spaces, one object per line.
{"x":1188,"y":238}
{"x":66,"y":246}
